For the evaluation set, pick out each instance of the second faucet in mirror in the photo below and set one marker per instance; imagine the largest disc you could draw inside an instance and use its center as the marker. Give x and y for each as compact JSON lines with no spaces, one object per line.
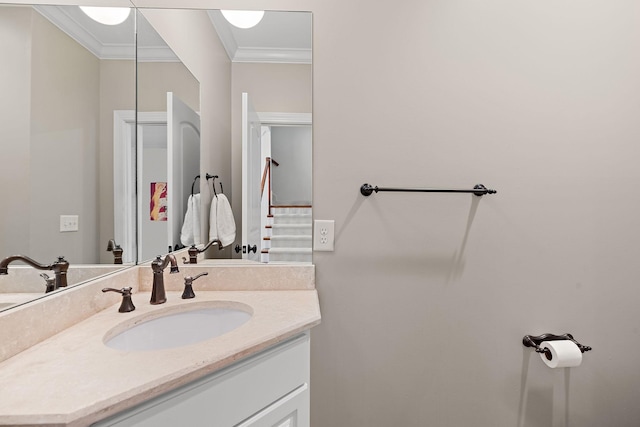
{"x":59,"y":268}
{"x":117,"y":251}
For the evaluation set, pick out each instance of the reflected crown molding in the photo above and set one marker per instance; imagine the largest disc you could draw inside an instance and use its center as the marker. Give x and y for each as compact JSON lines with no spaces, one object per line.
{"x":278,"y":56}
{"x":271,"y":118}
{"x":261,"y":55}
{"x":81,"y":32}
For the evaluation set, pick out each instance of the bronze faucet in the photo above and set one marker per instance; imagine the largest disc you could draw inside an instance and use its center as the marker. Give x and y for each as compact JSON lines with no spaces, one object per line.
{"x":50,"y":283}
{"x":117,"y":251}
{"x":126,"y":305}
{"x":193,"y":251}
{"x":188,"y":286}
{"x":158,"y":265}
{"x":59,"y":268}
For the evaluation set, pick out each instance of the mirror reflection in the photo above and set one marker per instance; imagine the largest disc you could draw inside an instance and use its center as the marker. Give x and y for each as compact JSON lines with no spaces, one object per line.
{"x":76,"y":182}
{"x":63,"y":76}
{"x":257,"y":86}
{"x":168,"y":143}
{"x":271,"y":106}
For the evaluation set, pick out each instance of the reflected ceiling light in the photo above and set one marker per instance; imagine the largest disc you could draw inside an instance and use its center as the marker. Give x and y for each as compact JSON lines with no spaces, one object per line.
{"x":107,"y":15}
{"x":243,"y":18}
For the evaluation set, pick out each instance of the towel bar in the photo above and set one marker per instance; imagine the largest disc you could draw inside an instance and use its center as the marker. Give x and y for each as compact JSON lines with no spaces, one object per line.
{"x":478,"y":190}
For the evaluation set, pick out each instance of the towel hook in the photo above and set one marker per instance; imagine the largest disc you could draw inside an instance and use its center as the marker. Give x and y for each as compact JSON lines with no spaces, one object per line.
{"x":194,"y":183}
{"x":214,"y":183}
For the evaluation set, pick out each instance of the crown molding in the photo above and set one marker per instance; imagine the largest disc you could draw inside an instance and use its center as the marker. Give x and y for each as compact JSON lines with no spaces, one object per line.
{"x":277,"y":56}
{"x":277,"y":118}
{"x":156,"y":54}
{"x":262,"y":55}
{"x":59,"y":17}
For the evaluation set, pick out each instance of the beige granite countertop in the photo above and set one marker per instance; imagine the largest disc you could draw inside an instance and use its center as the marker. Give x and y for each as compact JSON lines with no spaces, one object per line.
{"x":73,"y":379}
{"x":9,"y":299}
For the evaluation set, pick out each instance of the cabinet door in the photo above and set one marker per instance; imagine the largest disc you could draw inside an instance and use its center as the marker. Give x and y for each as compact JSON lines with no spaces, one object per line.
{"x":290,"y":411}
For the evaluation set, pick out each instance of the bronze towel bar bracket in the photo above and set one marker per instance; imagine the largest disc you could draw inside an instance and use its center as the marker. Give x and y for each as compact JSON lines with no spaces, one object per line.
{"x":478,"y":190}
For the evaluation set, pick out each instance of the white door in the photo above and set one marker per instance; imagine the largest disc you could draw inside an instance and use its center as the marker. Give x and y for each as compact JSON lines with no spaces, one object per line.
{"x":251,"y":175}
{"x":183,"y":146}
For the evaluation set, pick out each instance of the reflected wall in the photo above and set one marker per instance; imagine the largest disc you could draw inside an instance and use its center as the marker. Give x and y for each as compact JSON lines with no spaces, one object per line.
{"x":56,"y":136}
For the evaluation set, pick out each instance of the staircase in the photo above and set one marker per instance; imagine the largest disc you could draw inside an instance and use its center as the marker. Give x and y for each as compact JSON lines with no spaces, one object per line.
{"x":287,"y":235}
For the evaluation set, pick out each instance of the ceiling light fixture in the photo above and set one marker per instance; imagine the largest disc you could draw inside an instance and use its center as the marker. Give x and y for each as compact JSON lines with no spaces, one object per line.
{"x":243,"y":18}
{"x":107,"y":15}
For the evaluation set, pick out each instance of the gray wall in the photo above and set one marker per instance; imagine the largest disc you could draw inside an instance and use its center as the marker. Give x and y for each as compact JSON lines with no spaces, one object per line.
{"x":15,"y":139}
{"x":427,"y":297}
{"x":50,"y":153}
{"x":292,"y":180}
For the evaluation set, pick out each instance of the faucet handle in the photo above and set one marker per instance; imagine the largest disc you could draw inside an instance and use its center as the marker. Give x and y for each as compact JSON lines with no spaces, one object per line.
{"x":50,"y":283}
{"x":188,"y":288}
{"x":127,"y":303}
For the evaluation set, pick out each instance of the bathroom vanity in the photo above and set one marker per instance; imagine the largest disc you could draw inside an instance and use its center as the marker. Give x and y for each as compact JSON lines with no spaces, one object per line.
{"x":270,"y":389}
{"x":254,"y":375}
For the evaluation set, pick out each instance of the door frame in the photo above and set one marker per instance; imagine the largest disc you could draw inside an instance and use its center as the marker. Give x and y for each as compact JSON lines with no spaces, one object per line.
{"x":269,"y":119}
{"x":127,"y":174}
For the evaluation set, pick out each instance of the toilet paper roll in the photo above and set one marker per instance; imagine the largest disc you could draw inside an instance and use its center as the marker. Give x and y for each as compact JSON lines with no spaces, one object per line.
{"x":563,"y":353}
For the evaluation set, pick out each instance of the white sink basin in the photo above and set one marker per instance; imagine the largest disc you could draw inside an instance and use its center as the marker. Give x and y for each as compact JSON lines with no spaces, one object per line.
{"x":179,"y":329}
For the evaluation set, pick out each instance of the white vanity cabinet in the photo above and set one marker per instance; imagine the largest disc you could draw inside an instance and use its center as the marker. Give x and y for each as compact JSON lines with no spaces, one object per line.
{"x":269,"y":389}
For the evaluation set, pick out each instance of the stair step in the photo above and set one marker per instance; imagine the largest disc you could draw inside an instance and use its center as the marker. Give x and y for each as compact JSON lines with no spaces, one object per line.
{"x":290,"y":229}
{"x":290,"y":250}
{"x":291,"y":241}
{"x":290,"y":255}
{"x":292,"y":219}
{"x":291,"y":210}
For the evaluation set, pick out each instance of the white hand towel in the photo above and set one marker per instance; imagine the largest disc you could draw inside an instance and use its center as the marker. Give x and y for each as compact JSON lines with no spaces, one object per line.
{"x":226,"y":223}
{"x":222,"y":226}
{"x":191,"y":226}
{"x":213,"y":219}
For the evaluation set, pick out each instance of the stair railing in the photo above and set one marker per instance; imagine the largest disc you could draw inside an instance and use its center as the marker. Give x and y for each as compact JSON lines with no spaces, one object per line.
{"x":266,"y":179}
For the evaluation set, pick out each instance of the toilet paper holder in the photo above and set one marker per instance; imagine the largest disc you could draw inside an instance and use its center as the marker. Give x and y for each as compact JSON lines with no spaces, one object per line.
{"x":535,"y":341}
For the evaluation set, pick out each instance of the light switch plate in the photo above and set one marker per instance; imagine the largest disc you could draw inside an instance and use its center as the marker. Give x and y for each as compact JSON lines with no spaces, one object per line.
{"x":68,"y":223}
{"x":323,"y":235}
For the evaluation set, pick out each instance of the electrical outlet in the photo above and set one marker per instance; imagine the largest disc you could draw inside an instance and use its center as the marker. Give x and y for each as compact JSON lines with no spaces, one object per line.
{"x":68,"y":223}
{"x":323,"y":235}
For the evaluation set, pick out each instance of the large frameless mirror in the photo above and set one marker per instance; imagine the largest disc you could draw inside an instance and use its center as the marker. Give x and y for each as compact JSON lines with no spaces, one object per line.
{"x":81,"y":175}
